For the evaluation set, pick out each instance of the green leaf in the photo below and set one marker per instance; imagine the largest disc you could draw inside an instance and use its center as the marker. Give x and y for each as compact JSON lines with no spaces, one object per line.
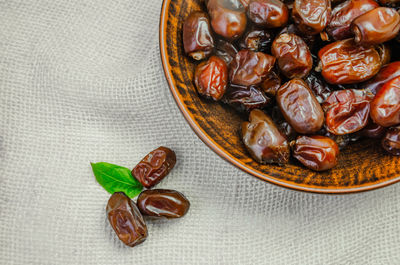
{"x":114,"y":178}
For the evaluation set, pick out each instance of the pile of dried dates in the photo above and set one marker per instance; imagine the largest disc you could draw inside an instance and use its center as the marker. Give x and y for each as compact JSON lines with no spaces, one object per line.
{"x":313,"y":75}
{"x":127,"y":217}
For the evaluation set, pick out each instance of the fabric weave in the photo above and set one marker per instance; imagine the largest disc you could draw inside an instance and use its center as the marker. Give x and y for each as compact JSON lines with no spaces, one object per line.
{"x":82,"y":81}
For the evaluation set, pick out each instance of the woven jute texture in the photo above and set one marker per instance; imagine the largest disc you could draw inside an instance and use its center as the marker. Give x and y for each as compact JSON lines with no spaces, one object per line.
{"x":82,"y":81}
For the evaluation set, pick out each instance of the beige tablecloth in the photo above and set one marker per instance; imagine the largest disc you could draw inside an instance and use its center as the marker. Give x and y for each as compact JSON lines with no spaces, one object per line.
{"x":81,"y":81}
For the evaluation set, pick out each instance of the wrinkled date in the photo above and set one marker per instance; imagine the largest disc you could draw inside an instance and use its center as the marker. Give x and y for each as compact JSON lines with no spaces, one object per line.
{"x":316,"y":152}
{"x":391,"y":141}
{"x":300,"y":107}
{"x":344,"y":13}
{"x":250,"y":68}
{"x":126,"y":219}
{"x":318,"y":86}
{"x":263,"y":140}
{"x":294,"y":57}
{"x":345,"y":62}
{"x":376,"y":26}
{"x":211,"y":78}
{"x":385,"y":52}
{"x":197,"y":39}
{"x":385,"y":107}
{"x":347,"y":111}
{"x":245,"y":98}
{"x":257,"y":40}
{"x":228,"y":18}
{"x":310,"y":40}
{"x":154,"y":166}
{"x":163,"y":203}
{"x":311,"y":16}
{"x":373,"y":130}
{"x":271,"y":83}
{"x":226,"y":51}
{"x":268,"y":13}
{"x":386,"y":73}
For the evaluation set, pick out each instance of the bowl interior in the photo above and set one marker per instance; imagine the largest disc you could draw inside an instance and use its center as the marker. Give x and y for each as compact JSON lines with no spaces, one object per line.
{"x":362,"y":166}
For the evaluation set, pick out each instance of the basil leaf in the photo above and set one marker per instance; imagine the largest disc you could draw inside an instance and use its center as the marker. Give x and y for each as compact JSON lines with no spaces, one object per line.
{"x":115,"y":178}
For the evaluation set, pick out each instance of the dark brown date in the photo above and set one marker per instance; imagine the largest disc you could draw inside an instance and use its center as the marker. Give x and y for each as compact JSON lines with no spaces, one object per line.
{"x":390,"y":3}
{"x":163,"y":203}
{"x":345,"y":62}
{"x":310,"y":40}
{"x":282,"y":124}
{"x":257,"y":40}
{"x":376,"y":26}
{"x":245,"y":98}
{"x":154,"y":166}
{"x":311,"y":16}
{"x":344,"y":13}
{"x":268,"y":13}
{"x":385,"y":107}
{"x":228,"y":18}
{"x":226,"y":51}
{"x":391,"y":141}
{"x":263,"y":140}
{"x":373,"y":130}
{"x":126,"y":219}
{"x":316,"y":152}
{"x":385,"y":52}
{"x":386,"y":73}
{"x":293,"y":55}
{"x":271,"y":83}
{"x":300,"y":107}
{"x":318,"y":86}
{"x":197,"y":39}
{"x":347,"y":111}
{"x":250,"y":68}
{"x":211,"y":78}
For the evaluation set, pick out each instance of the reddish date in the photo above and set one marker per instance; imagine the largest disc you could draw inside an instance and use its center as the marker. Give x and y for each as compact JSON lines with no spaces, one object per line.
{"x":344,"y":13}
{"x":316,"y":152}
{"x":211,"y":78}
{"x":385,"y":53}
{"x":310,"y":40}
{"x":228,"y":18}
{"x":257,"y":40}
{"x":268,"y":13}
{"x":263,"y":140}
{"x":126,"y":220}
{"x":391,"y":141}
{"x":345,"y":62}
{"x":250,"y":68}
{"x":311,"y":16}
{"x":245,"y":99}
{"x":163,"y":203}
{"x":154,"y":166}
{"x":347,"y":111}
{"x":197,"y":39}
{"x":294,"y":57}
{"x":318,"y":86}
{"x":386,"y":73}
{"x":226,"y":51}
{"x":376,"y":26}
{"x":385,"y":107}
{"x":271,"y":83}
{"x":300,"y":107}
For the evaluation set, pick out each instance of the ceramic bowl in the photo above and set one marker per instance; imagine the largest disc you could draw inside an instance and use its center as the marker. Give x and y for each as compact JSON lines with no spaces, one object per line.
{"x":362,"y":166}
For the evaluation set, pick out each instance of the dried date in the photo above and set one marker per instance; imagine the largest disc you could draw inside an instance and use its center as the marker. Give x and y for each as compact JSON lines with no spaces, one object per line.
{"x":268,"y":13}
{"x":197,"y":39}
{"x":386,"y":73}
{"x":391,"y":141}
{"x":311,"y":16}
{"x":263,"y":140}
{"x":211,"y":78}
{"x":163,"y":203}
{"x":245,"y":99}
{"x":300,"y":107}
{"x":316,"y":152}
{"x":126,"y":219}
{"x":154,"y":166}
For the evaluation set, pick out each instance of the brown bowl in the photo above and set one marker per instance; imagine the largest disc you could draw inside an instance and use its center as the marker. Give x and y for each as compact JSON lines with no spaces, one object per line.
{"x":363,"y":166}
